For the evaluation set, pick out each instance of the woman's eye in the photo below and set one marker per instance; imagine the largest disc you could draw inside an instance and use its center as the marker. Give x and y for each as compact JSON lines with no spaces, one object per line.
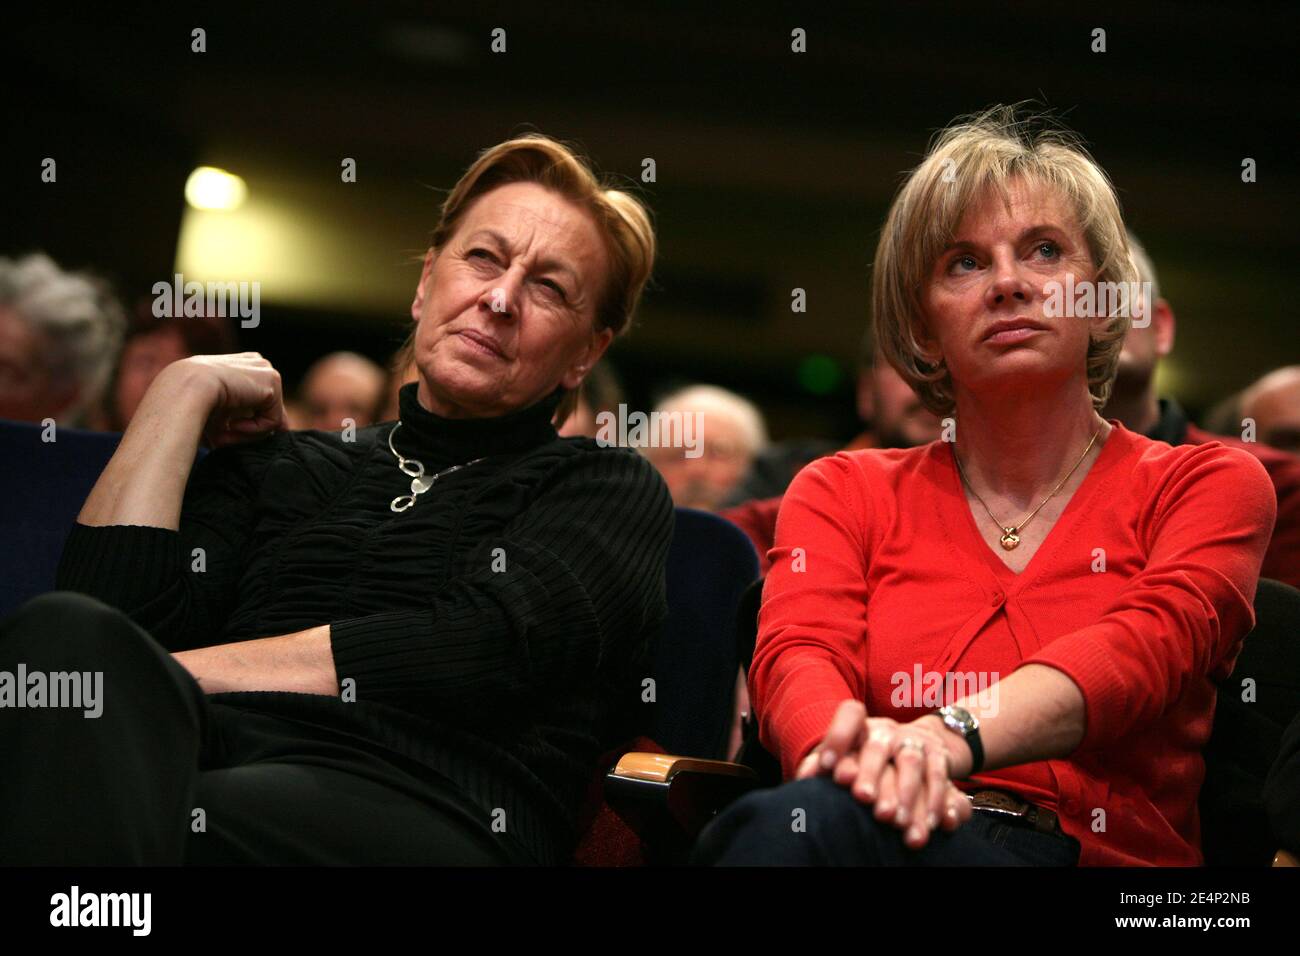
{"x":479,"y":254}
{"x":963,"y":263}
{"x":553,"y":288}
{"x":1050,"y":250}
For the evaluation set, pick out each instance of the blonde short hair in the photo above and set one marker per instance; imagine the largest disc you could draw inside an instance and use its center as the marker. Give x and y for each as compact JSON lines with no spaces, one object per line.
{"x":974,"y":154}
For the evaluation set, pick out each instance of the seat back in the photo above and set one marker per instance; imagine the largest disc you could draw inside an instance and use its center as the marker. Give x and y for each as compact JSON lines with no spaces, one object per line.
{"x":710,"y":564}
{"x":752,"y":753}
{"x":43,"y":485}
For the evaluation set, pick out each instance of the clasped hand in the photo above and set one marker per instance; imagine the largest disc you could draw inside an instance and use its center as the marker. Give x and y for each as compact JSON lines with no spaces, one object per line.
{"x":240,"y":394}
{"x":905,"y":770}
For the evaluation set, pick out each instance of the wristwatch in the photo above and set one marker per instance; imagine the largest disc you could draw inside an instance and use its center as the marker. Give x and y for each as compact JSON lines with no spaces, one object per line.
{"x":960,"y":721}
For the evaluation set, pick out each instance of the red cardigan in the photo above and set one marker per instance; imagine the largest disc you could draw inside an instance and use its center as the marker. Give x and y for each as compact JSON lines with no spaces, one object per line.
{"x":895,"y":577}
{"x":1282,"y":559}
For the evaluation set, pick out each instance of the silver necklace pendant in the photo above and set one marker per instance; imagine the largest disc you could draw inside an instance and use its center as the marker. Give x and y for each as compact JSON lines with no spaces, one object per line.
{"x":418,"y":487}
{"x":415,"y":469}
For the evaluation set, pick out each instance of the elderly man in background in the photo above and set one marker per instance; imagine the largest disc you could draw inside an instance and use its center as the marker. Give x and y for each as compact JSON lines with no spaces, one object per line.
{"x":340,"y":386}
{"x":59,"y":336}
{"x":1273,"y":403}
{"x":733,"y":434}
{"x":1133,"y":401}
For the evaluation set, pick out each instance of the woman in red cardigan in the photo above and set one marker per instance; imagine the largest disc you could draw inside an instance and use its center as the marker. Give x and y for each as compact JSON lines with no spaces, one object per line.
{"x":1000,"y":647}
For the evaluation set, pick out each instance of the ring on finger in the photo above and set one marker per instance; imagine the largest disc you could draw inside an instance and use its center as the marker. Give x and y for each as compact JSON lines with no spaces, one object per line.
{"x":912,"y":743}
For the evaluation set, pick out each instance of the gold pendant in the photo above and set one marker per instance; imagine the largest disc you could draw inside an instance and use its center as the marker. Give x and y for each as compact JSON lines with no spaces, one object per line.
{"x":1009,"y":539}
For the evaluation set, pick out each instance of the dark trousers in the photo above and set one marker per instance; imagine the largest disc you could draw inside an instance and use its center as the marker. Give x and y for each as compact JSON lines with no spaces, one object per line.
{"x":817,"y":822}
{"x":165,"y":776}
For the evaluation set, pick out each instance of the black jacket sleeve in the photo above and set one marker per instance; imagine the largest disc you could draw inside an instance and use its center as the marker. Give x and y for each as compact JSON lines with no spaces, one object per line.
{"x":178,"y":585}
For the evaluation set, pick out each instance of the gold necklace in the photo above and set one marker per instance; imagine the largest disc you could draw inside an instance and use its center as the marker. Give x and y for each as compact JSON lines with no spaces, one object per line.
{"x":1011,"y":533}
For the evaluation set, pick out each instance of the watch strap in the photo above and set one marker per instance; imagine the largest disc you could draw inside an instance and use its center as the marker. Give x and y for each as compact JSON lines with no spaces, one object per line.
{"x":976,"y":751}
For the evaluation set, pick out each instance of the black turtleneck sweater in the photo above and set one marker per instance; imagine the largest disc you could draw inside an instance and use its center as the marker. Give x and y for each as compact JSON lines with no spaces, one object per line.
{"x":496,"y":632}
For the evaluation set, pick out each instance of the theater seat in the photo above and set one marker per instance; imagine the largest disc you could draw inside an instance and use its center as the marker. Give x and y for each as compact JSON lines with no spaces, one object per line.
{"x":42,"y":488}
{"x":1247,"y":734}
{"x":711,"y":564}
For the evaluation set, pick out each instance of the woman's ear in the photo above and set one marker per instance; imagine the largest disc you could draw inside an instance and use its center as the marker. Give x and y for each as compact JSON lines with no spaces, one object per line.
{"x":928,"y":345}
{"x":596,"y":347}
{"x":417,"y":304}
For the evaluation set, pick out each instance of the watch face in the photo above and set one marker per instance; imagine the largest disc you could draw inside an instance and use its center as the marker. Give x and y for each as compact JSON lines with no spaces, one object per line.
{"x":959,"y":718}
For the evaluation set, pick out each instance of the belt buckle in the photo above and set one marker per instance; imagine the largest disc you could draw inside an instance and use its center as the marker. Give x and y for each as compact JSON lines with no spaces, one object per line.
{"x":997,"y":803}
{"x":1001,"y":804}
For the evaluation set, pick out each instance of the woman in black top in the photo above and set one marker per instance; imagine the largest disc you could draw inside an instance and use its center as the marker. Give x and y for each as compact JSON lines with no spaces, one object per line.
{"x":417,"y":639}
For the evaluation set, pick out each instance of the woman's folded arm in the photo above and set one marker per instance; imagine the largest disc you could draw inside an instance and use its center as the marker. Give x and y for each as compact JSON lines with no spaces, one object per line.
{"x":178,"y":585}
{"x":1185,"y":614}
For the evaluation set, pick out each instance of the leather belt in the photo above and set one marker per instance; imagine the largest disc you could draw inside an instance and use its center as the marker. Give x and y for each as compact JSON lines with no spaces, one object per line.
{"x":1009,"y":808}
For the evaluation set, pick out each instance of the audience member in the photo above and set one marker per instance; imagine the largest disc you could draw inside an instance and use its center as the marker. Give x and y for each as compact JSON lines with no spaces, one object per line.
{"x":339,"y":387}
{"x":60,"y":332}
{"x":895,"y":416}
{"x":733,"y":432}
{"x":1273,"y":403}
